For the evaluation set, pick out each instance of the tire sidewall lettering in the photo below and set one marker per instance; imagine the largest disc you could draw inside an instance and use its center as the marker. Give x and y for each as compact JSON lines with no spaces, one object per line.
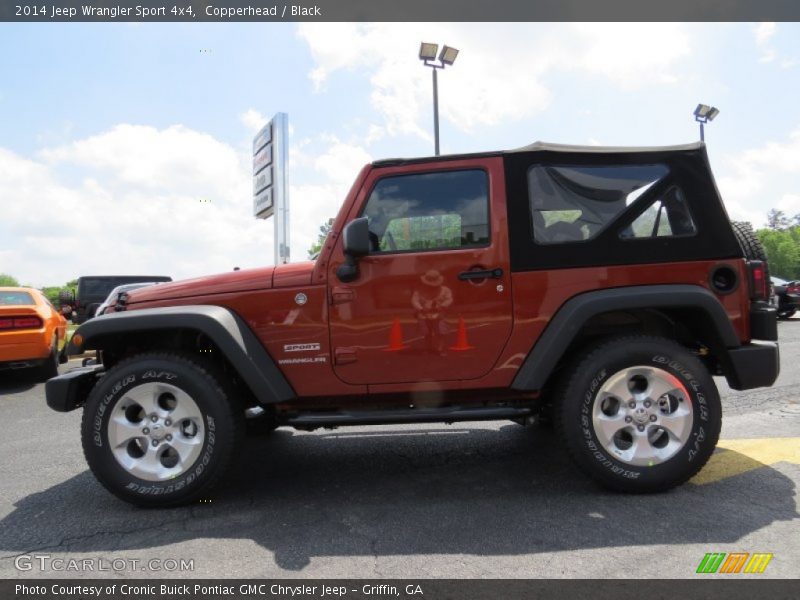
{"x":114,"y":393}
{"x":694,"y":447}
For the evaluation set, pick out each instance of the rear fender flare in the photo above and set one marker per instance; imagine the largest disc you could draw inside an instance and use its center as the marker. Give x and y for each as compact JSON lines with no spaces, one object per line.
{"x":567,"y":323}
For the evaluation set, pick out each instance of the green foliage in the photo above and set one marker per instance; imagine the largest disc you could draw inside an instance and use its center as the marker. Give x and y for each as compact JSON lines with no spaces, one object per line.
{"x":783,"y":251}
{"x":324,"y":230}
{"x":51,"y":293}
{"x":424,"y":232}
{"x":8,"y":281}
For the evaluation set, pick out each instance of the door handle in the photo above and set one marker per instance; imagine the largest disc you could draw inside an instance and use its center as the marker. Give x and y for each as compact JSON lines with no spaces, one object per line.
{"x":493,"y":273}
{"x":340,"y":295}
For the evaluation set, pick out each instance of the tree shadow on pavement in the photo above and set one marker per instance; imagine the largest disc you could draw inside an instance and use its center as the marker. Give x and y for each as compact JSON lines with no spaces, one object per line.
{"x":403,"y":491}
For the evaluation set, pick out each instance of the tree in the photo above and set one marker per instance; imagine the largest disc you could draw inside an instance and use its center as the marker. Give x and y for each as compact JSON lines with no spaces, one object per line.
{"x":324,"y":230}
{"x":777,"y":219}
{"x":783,"y":251}
{"x":8,"y":280}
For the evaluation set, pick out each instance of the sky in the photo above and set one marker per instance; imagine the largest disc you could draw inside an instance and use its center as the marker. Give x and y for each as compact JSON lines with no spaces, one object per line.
{"x":126,"y":148}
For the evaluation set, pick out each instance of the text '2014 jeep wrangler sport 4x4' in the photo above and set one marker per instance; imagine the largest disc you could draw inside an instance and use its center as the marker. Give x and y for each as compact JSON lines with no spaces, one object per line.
{"x":600,"y":286}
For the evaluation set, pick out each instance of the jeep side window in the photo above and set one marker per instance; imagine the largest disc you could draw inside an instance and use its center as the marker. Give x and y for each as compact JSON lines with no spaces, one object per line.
{"x":429,"y":211}
{"x":667,"y":216}
{"x":573,"y":203}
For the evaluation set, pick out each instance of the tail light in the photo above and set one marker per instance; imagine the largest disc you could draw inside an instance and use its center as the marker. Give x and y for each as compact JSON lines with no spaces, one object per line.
{"x":793,"y":288}
{"x":20,"y":323}
{"x":759,"y":282}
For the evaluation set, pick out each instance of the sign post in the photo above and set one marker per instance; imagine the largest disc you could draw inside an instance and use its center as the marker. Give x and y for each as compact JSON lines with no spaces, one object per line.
{"x":271,"y":182}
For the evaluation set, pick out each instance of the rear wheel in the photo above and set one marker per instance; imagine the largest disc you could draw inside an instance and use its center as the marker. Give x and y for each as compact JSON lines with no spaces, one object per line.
{"x":786,"y":314}
{"x":639,"y":414}
{"x":159,"y":430}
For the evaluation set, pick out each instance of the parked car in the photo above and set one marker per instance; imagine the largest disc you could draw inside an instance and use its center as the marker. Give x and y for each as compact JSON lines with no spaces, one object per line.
{"x":94,"y":289}
{"x":786,"y":297}
{"x":604,"y":287}
{"x":31,"y":329}
{"x":112,"y":297}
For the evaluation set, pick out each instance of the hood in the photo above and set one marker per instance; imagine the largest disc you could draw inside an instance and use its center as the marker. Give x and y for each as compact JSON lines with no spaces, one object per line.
{"x":234,"y":281}
{"x":293,"y":274}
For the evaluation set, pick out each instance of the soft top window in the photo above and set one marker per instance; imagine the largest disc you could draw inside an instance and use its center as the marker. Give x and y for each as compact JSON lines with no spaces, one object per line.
{"x":572,"y":203}
{"x":16,"y":299}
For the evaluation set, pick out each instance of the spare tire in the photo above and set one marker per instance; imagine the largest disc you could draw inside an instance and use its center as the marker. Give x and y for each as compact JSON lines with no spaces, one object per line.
{"x":751,"y":246}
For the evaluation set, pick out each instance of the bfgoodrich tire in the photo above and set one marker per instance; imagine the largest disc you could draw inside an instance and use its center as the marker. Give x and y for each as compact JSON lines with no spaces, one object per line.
{"x":639,"y":414}
{"x":159,"y":430}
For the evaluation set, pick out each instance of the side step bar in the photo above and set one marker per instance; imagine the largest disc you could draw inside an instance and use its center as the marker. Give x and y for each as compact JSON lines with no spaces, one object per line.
{"x":407,"y":415}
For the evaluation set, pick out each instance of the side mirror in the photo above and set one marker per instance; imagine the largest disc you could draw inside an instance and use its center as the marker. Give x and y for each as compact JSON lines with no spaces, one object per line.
{"x":355,"y":239}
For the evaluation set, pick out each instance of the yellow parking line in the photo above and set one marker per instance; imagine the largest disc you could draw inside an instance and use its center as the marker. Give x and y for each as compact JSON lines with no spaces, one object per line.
{"x":734,"y":457}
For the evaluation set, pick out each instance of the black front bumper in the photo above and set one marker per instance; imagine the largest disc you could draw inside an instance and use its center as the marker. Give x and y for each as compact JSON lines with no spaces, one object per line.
{"x":69,"y":391}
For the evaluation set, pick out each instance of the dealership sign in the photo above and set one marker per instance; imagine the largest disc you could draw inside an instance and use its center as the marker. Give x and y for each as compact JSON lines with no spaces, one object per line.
{"x":270,"y":182}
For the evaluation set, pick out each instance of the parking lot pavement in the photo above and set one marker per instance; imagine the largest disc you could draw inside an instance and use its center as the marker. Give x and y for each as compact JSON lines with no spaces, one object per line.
{"x":459,"y":501}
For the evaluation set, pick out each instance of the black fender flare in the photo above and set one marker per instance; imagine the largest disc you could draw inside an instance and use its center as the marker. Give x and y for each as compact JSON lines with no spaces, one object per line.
{"x":573,"y":315}
{"x":225,"y":328}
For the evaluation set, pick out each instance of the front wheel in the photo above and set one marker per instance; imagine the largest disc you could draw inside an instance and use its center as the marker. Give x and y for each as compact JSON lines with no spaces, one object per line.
{"x":639,"y":414}
{"x":786,"y":314}
{"x":159,"y":430}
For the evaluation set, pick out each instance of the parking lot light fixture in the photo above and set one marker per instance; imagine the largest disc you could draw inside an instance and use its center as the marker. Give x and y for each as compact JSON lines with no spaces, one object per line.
{"x":428,"y":51}
{"x":427,"y":54}
{"x":448,"y":55}
{"x":704,"y":114}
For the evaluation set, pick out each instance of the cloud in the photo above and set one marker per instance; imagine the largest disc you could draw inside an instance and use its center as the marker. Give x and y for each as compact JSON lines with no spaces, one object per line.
{"x":342,"y":161}
{"x":764,"y":32}
{"x":254,"y":120}
{"x":141,"y":200}
{"x":762,"y":178}
{"x":130,"y":200}
{"x":501,"y":73}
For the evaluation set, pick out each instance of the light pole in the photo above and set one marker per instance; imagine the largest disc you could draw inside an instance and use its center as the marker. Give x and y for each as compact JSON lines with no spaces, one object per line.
{"x":427,"y":54}
{"x":704,"y":114}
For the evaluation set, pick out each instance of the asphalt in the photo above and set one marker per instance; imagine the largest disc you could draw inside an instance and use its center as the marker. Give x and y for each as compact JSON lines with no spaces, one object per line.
{"x":487,"y":500}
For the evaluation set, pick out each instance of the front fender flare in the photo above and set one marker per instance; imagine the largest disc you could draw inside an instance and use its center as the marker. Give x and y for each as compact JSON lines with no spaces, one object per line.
{"x":229,"y":332}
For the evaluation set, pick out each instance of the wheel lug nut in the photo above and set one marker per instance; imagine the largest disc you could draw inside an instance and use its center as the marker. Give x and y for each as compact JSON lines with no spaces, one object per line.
{"x":641,"y":427}
{"x":631,"y":404}
{"x":153,"y":418}
{"x":647,"y":403}
{"x":146,"y":430}
{"x":169,"y":438}
{"x":167,"y":422}
{"x":652,"y":417}
{"x":155,"y":442}
{"x":628,"y":419}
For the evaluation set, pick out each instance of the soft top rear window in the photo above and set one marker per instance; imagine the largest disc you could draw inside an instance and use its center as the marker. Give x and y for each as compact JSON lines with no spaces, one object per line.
{"x":573,"y":203}
{"x":16,"y":299}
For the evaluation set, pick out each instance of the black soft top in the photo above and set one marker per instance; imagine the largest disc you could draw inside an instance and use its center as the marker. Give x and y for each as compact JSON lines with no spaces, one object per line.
{"x":550,"y":148}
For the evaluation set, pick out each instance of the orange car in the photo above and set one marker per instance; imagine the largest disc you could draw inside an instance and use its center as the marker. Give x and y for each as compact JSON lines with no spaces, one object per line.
{"x":31,"y":330}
